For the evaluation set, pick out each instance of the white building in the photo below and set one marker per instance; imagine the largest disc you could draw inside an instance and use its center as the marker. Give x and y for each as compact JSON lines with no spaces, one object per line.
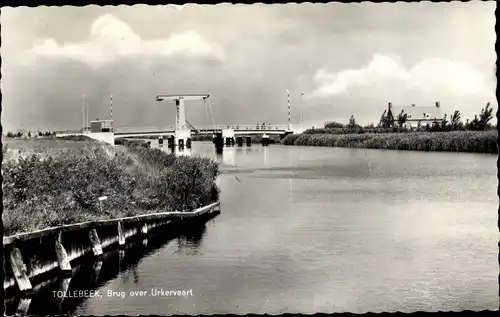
{"x":415,"y":115}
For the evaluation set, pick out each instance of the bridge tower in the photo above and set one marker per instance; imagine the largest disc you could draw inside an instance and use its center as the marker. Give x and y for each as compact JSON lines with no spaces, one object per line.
{"x":182,"y":127}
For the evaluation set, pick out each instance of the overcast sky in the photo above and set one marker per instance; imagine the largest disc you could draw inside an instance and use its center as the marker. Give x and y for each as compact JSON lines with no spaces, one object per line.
{"x":345,"y":58}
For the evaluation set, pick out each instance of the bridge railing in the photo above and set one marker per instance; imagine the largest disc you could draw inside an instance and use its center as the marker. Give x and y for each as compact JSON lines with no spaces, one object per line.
{"x":142,"y":129}
{"x":204,"y":128}
{"x":243,"y":127}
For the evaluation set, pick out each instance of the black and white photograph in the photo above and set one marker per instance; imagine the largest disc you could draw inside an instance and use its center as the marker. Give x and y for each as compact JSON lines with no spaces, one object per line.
{"x":249,"y":158}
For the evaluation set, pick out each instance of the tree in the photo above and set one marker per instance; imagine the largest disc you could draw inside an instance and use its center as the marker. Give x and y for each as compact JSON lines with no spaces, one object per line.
{"x":386,"y":120}
{"x":474,"y":124}
{"x":333,"y":125}
{"x":444,"y":123}
{"x":485,"y":117}
{"x":456,"y":121}
{"x":352,"y":122}
{"x":402,"y":117}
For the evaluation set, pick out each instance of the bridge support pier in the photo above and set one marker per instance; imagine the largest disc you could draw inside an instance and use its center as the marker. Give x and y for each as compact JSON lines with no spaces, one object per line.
{"x":228,"y":135}
{"x":265,"y":140}
{"x":171,"y":141}
{"x":239,"y":141}
{"x":218,"y":142}
{"x":181,"y":137}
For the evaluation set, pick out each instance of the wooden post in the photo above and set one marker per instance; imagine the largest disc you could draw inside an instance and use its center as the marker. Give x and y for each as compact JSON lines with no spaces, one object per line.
{"x":23,"y":306}
{"x":20,"y":271}
{"x":143,"y":229}
{"x":95,"y":242}
{"x":62,"y":255}
{"x":121,"y":234}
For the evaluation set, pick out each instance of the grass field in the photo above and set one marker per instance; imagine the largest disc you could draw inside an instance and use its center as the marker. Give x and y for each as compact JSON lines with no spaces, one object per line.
{"x":455,"y":141}
{"x":53,"y":182}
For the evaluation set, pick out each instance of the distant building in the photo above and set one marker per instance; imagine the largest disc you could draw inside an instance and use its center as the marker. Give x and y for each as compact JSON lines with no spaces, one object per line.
{"x":101,"y":126}
{"x":415,"y":115}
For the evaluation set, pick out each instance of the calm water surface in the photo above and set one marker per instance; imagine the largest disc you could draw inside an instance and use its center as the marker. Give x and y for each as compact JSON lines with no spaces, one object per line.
{"x":330,"y":230}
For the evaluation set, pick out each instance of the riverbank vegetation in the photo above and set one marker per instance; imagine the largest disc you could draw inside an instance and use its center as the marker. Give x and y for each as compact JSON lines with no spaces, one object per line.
{"x":448,"y":134}
{"x":467,"y":141}
{"x":45,"y":187}
{"x":29,"y":134}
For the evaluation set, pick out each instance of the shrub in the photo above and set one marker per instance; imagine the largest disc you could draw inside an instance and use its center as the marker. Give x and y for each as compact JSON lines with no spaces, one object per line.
{"x":333,"y":124}
{"x":42,"y":190}
{"x":290,"y":139}
{"x":77,"y":138}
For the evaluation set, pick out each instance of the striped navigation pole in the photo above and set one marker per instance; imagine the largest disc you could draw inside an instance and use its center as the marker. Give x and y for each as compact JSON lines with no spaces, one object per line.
{"x":301,"y":110}
{"x":83,"y":112}
{"x":289,"y":110}
{"x":111,"y":110}
{"x":111,"y":107}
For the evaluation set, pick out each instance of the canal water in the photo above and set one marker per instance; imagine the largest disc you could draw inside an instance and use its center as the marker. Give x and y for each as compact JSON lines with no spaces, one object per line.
{"x":310,"y":229}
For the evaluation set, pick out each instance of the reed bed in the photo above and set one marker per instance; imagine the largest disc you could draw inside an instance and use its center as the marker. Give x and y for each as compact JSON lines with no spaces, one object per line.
{"x":455,"y":141}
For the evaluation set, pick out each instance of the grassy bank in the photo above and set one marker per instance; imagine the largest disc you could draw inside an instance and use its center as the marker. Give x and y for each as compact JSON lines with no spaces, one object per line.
{"x":58,"y":182}
{"x":256,"y":139}
{"x":455,"y":141}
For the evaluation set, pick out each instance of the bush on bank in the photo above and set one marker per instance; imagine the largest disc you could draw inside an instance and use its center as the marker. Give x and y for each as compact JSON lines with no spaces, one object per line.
{"x":42,"y":191}
{"x":455,"y":141}
{"x":290,"y":139}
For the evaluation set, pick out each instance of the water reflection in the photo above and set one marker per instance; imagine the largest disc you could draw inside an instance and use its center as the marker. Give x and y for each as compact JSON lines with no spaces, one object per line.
{"x":23,"y":307}
{"x":93,"y":274}
{"x":96,"y":270}
{"x":229,"y":156}
{"x":64,"y":284}
{"x":121,"y":257}
{"x":178,"y":150}
{"x":184,"y":151}
{"x":191,"y":242}
{"x":266,"y":156}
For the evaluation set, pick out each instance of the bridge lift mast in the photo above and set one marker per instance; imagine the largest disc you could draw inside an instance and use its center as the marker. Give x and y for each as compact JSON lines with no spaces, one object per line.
{"x":182,"y":127}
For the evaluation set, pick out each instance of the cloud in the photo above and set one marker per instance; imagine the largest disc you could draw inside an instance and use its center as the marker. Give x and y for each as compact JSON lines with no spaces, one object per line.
{"x":432,"y":75}
{"x":111,"y":38}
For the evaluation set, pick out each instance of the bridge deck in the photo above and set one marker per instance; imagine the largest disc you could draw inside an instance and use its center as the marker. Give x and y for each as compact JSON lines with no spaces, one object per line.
{"x":238,"y":130}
